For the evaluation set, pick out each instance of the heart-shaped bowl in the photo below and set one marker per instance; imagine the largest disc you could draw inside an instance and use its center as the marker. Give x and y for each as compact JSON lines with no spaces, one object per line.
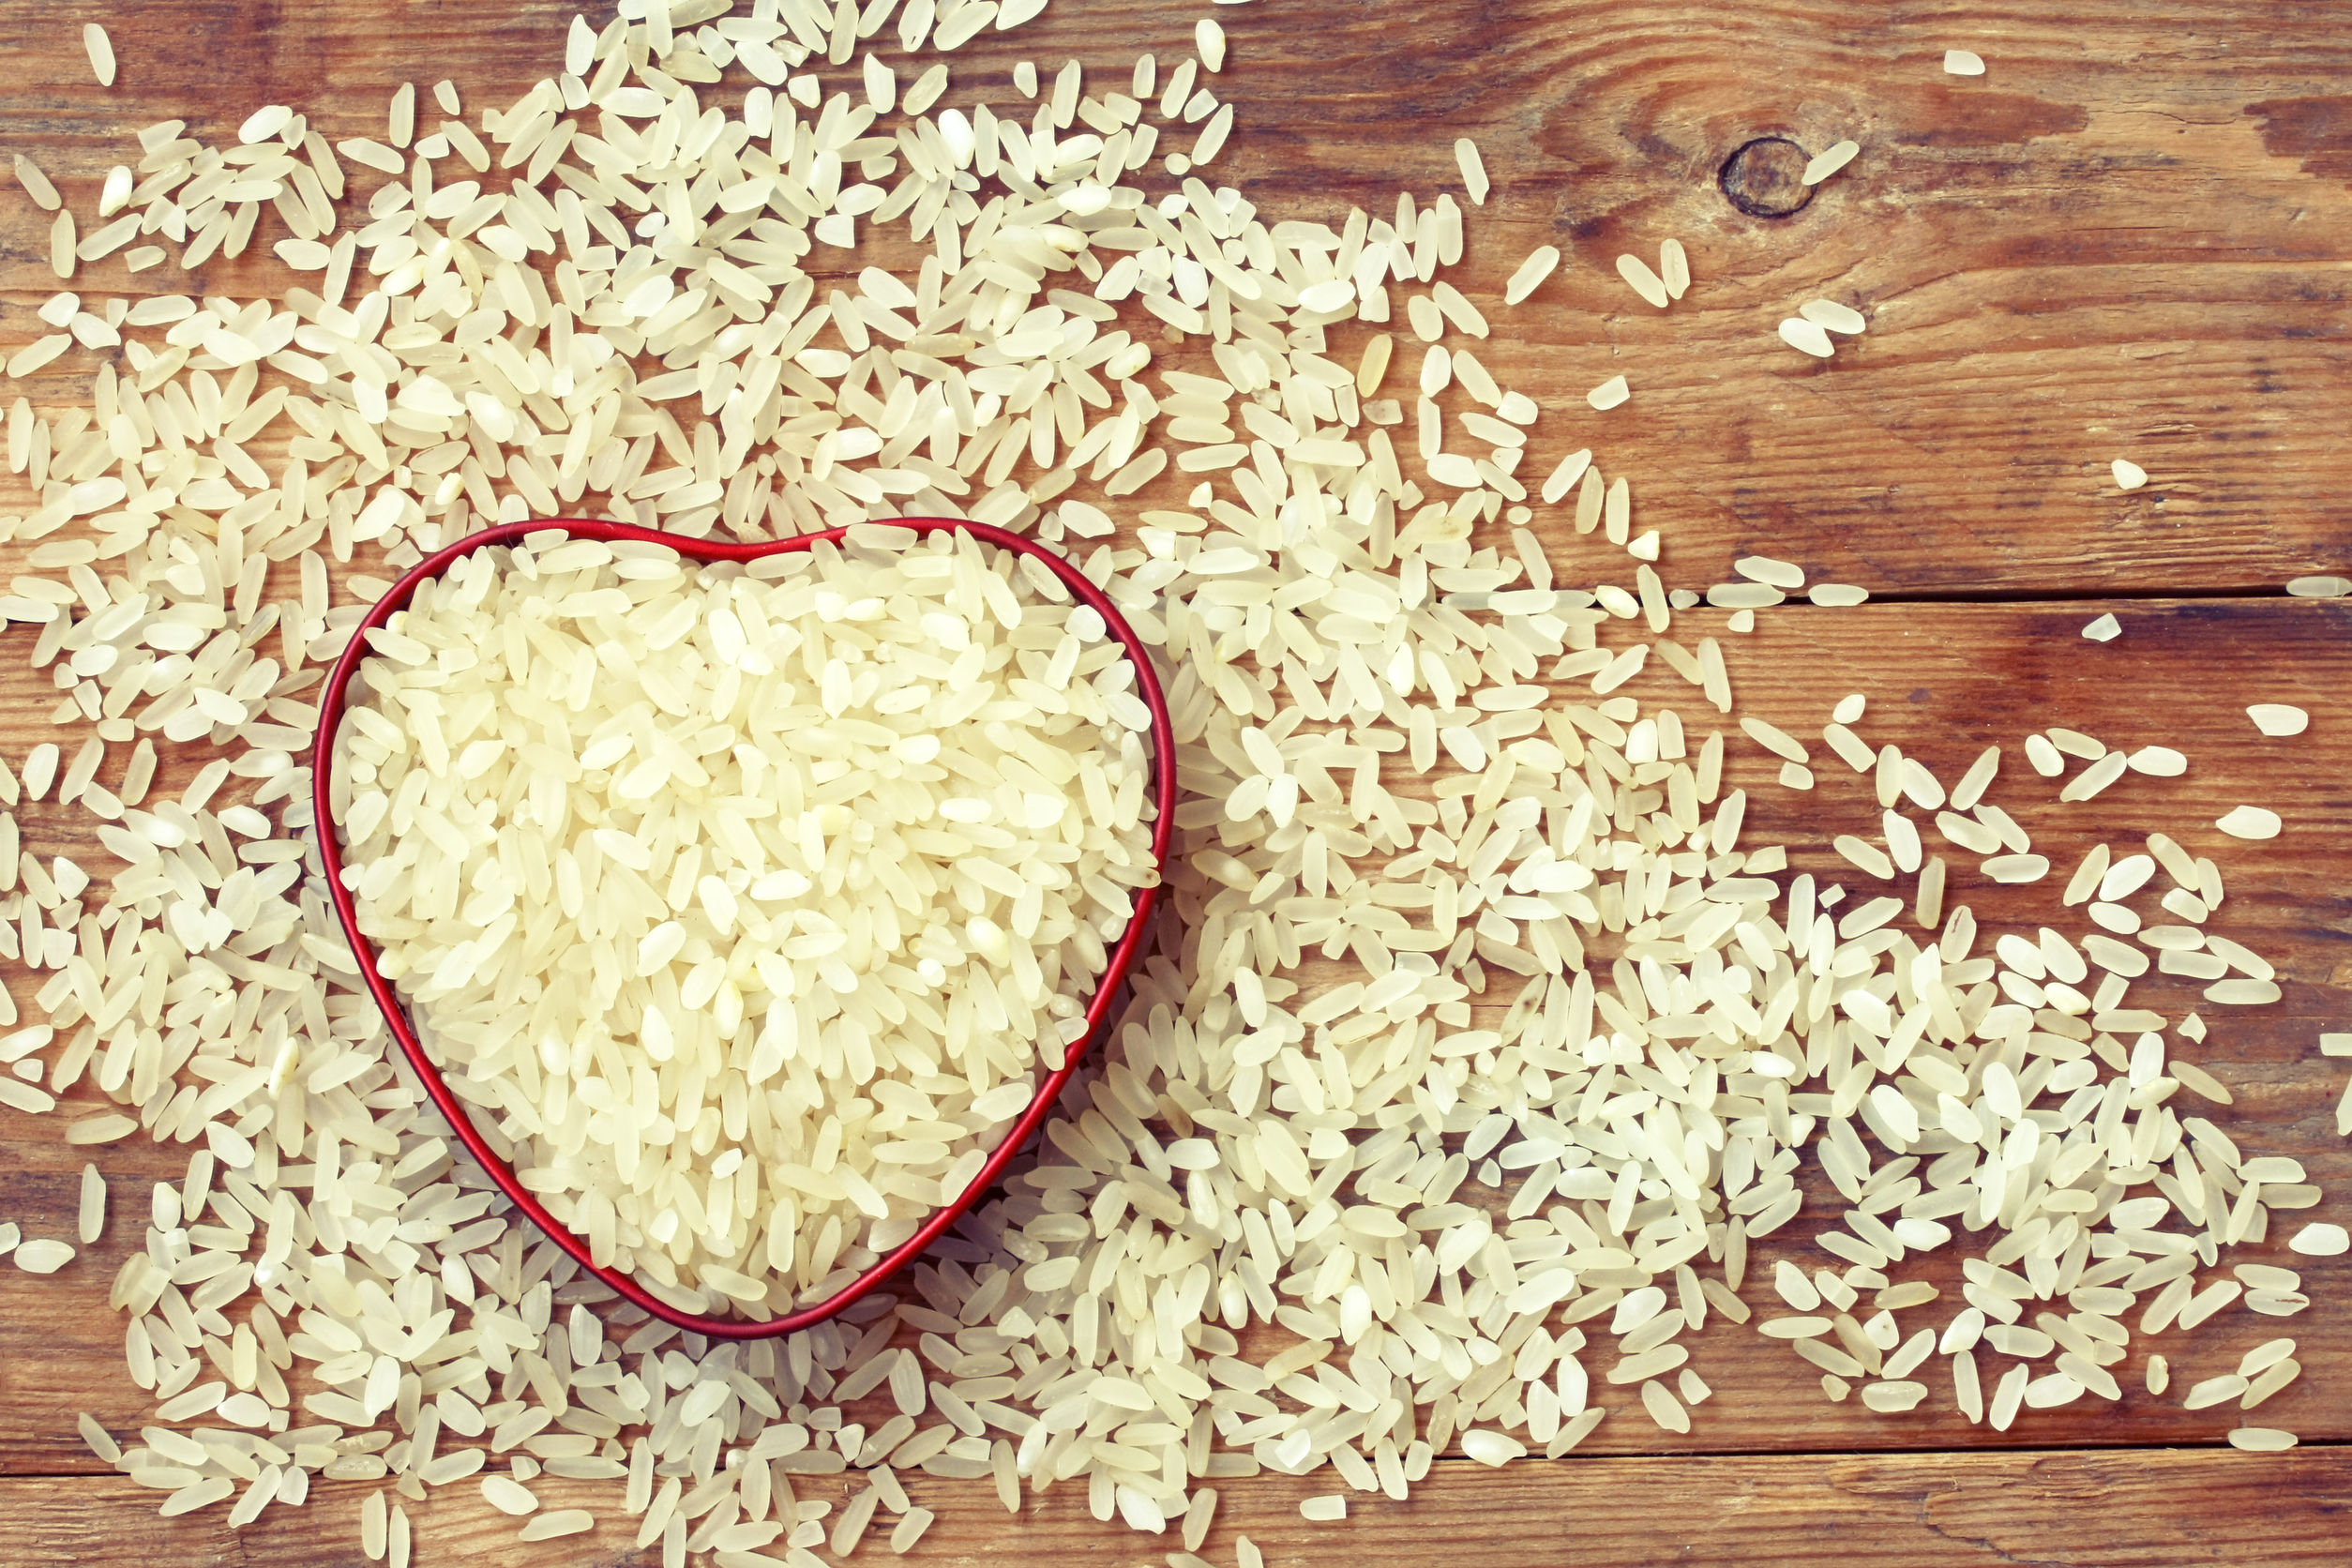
{"x":331,"y":710}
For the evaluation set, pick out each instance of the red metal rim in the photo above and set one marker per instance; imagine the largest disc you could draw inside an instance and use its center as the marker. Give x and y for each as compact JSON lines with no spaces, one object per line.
{"x":460,"y":1117}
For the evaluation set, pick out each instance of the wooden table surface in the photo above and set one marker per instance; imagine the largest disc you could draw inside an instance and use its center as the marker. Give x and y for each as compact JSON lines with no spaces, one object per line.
{"x":2128,"y":238}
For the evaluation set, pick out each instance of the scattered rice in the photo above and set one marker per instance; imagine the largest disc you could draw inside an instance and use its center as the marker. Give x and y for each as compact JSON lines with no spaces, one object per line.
{"x":1539,"y":264}
{"x":1004,"y":376}
{"x":2213,"y":1391}
{"x":2250,"y":822}
{"x":1662,"y":1407}
{"x":1674,"y":268}
{"x":2312,"y":1240}
{"x":2128,"y":475}
{"x":36,"y":186}
{"x":101,"y":51}
{"x":1324,"y":1509}
{"x":2265,"y":1356}
{"x":1960,"y":61}
{"x":1890,"y":1398}
{"x":1780,"y":574}
{"x":1644,"y":282}
{"x":1609,"y":394}
{"x":2262,"y":1439}
{"x":910,"y":1529}
{"x":2279,"y":718}
{"x":1822,"y":165}
{"x":558,"y":1522}
{"x":1491,"y":1448}
{"x":1208,"y":39}
{"x":508,"y":1495}
{"x":265,"y":123}
{"x":101,"y":1442}
{"x":90,"y":1224}
{"x":1807,"y":336}
{"x":42,"y":1255}
{"x":374,"y":1526}
{"x":1830,"y":314}
{"x":2104,"y":628}
{"x":1473,"y":170}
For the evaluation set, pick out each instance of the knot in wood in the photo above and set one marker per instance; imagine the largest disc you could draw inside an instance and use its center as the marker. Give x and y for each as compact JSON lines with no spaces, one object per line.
{"x":1765,"y":178}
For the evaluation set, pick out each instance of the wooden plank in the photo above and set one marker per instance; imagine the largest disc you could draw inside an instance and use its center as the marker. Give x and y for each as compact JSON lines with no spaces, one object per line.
{"x":2115,"y":243}
{"x":1945,"y":681}
{"x":2159,"y":1509}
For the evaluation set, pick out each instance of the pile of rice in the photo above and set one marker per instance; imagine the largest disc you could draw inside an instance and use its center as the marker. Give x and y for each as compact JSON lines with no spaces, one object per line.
{"x":1481,"y":1040}
{"x":748,"y":901}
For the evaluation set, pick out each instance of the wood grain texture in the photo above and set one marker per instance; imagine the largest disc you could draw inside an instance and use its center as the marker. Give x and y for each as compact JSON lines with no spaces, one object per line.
{"x":2124,"y":240}
{"x":2159,"y":1509}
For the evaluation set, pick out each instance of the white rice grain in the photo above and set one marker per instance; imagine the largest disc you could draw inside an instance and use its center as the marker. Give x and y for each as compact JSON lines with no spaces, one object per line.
{"x":1834,"y":317}
{"x":42,"y":1255}
{"x":1209,"y":40}
{"x":1807,"y":336}
{"x":2250,"y":822}
{"x":1473,"y":170}
{"x":101,"y":51}
{"x":90,"y":1223}
{"x":1643,"y":281}
{"x":1823,"y":164}
{"x":2312,"y":1240}
{"x":1674,"y":268}
{"x":1539,"y":264}
{"x":2261,"y":1440}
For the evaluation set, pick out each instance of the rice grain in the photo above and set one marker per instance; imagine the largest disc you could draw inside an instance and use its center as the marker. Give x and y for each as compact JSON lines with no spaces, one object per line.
{"x":91,"y":1221}
{"x":1643,"y":281}
{"x":1540,"y":265}
{"x":1473,"y":170}
{"x":2250,"y":822}
{"x":1829,"y":161}
{"x":1674,"y":268}
{"x":1831,"y":315}
{"x":1807,"y":336}
{"x":101,"y":51}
